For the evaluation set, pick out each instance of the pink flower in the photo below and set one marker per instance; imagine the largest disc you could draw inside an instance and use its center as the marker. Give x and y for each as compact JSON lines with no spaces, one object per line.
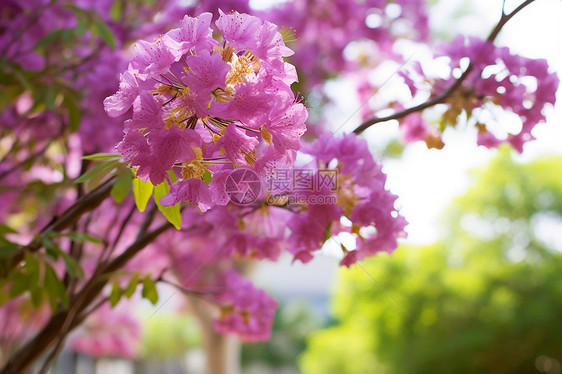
{"x":360,"y":196}
{"x":271,"y":159}
{"x":192,"y":190}
{"x":193,"y":34}
{"x":487,"y":139}
{"x":136,"y":151}
{"x":173,"y":145}
{"x":122,"y":100}
{"x":249,"y":105}
{"x":151,"y":59}
{"x":245,"y":310}
{"x":108,"y":333}
{"x":506,"y":86}
{"x":270,"y":43}
{"x":197,"y":104}
{"x":239,"y":30}
{"x":413,"y":128}
{"x":236,"y":144}
{"x":206,"y":72}
{"x":147,"y":113}
{"x":218,"y":187}
{"x":287,"y":125}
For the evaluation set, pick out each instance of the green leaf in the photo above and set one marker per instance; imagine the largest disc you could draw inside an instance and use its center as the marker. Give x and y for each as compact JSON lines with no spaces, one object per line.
{"x":54,"y":288}
{"x":122,"y":185}
{"x":328,"y":232}
{"x":4,"y":229}
{"x":79,"y":12}
{"x":74,"y":113}
{"x":4,"y":296}
{"x":77,"y":237}
{"x":105,"y":33}
{"x":142,"y":191}
{"x":8,"y":250}
{"x":172,"y":176}
{"x":72,"y":266}
{"x":50,"y":37}
{"x":132,"y":287}
{"x":149,"y":290}
{"x":51,"y":248}
{"x":115,"y":295}
{"x":80,"y":29}
{"x":23,"y":79}
{"x":96,"y":174}
{"x":102,"y":157}
{"x":37,"y":296}
{"x":116,"y":10}
{"x":207,"y":177}
{"x":50,"y":98}
{"x":172,"y":213}
{"x":20,"y":284}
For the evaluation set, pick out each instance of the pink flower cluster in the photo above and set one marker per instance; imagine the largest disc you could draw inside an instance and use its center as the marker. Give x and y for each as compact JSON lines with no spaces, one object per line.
{"x":245,"y":310}
{"x":199,"y":105}
{"x":208,"y":269}
{"x":268,"y":227}
{"x":361,"y":197}
{"x":498,"y":79}
{"x":324,"y":28}
{"x":521,"y":85}
{"x":108,"y":333}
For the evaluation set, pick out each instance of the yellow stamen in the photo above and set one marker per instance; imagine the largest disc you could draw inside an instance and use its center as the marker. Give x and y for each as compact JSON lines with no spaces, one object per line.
{"x":266,"y":135}
{"x":250,"y":157}
{"x":194,"y":168}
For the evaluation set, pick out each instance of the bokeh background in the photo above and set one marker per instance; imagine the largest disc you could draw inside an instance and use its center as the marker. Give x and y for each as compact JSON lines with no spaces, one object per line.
{"x":475,"y":288}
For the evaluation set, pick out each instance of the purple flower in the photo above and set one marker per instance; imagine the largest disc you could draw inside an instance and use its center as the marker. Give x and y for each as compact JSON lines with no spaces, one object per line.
{"x":237,"y":146}
{"x":287,"y":125}
{"x":193,"y":34}
{"x":245,"y":310}
{"x":118,"y":103}
{"x":151,"y":59}
{"x":197,"y":104}
{"x":241,"y":31}
{"x":192,"y":190}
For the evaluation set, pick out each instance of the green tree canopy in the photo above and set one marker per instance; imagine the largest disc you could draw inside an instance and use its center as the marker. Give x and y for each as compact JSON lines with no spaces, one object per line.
{"x":486,"y":299}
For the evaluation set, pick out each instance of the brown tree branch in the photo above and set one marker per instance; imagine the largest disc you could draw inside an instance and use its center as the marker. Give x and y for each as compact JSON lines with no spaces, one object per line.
{"x":27,"y":354}
{"x":448,"y":92}
{"x":84,"y":204}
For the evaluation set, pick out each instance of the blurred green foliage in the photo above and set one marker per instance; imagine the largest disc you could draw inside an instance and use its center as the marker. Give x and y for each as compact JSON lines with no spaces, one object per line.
{"x":486,"y":299}
{"x":168,"y":336}
{"x":293,"y":323}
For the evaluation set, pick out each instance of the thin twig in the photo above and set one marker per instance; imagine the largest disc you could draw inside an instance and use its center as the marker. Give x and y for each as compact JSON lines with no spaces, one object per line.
{"x":30,"y":158}
{"x":27,"y":354}
{"x":123,"y":226}
{"x":442,"y":97}
{"x":184,"y":290}
{"x":85,"y":204}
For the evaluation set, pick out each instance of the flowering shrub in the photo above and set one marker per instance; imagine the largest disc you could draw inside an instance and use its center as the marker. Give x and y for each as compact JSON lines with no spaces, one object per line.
{"x":208,"y":132}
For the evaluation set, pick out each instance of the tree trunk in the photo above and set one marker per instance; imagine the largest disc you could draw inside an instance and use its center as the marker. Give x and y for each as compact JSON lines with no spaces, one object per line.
{"x":222,"y":351}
